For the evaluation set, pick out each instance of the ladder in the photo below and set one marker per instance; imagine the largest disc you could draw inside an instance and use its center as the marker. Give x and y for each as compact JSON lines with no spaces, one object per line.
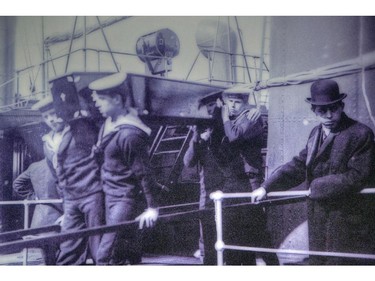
{"x":167,"y":152}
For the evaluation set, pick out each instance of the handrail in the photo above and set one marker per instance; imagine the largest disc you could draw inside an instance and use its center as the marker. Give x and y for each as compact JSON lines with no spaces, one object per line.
{"x":32,"y":202}
{"x":285,"y":197}
{"x":68,"y":235}
{"x":220,"y":246}
{"x":26,"y":203}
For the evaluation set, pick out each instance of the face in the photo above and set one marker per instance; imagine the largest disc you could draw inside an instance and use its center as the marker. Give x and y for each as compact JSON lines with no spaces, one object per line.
{"x":235,"y":106}
{"x":107,"y":105}
{"x":329,"y":115}
{"x":54,"y":122}
{"x":211,"y":107}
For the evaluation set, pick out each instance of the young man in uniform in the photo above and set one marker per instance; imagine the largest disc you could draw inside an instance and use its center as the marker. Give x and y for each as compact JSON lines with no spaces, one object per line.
{"x":335,"y":164}
{"x":244,"y":129}
{"x":222,"y":168}
{"x":126,"y":176}
{"x":68,"y":149}
{"x":204,"y":150}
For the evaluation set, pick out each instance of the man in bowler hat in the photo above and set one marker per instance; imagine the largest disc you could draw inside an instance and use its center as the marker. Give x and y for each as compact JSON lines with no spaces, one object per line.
{"x":335,"y":164}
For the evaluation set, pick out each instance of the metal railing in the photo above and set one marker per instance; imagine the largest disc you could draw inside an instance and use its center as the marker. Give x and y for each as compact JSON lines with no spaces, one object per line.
{"x":278,"y":198}
{"x":287,"y":196}
{"x":26,"y":215}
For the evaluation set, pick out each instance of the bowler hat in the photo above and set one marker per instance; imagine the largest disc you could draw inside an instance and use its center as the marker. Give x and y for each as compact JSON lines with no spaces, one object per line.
{"x":209,"y":98}
{"x":325,"y":92}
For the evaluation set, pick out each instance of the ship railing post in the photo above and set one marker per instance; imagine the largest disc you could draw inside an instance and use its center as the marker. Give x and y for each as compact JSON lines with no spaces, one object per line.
{"x":217,"y":196}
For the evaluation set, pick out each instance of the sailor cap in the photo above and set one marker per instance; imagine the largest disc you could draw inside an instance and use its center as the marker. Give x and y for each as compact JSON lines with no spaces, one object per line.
{"x":239,"y":92}
{"x":44,"y":104}
{"x":209,"y":98}
{"x":106,"y":84}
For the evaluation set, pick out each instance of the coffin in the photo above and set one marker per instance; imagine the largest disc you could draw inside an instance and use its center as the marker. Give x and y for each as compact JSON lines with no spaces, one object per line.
{"x":158,"y":100}
{"x":71,"y":94}
{"x":169,"y":101}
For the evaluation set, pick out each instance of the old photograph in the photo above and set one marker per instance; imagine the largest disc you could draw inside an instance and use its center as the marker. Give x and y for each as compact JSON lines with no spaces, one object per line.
{"x":187,"y":140}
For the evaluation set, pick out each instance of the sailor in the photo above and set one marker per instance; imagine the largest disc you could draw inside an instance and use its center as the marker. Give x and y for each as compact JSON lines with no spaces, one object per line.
{"x":204,"y":151}
{"x":222,"y":168}
{"x":125,"y":171}
{"x":68,"y":149}
{"x":244,"y":129}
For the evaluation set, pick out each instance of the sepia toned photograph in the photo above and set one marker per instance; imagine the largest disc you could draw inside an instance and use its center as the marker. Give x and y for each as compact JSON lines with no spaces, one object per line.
{"x":187,"y":140}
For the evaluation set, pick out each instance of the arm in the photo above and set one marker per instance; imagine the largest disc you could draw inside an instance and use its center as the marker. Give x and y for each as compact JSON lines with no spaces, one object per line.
{"x":243,"y":128}
{"x":360,"y":167}
{"x":139,"y":163}
{"x":22,"y":184}
{"x":288,"y":175}
{"x":140,"y":166}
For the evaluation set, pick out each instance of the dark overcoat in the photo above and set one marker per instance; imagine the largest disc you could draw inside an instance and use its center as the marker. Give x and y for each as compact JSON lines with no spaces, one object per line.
{"x":335,"y":171}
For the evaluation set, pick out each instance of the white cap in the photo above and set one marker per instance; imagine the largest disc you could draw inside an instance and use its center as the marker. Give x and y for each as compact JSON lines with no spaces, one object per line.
{"x":44,"y":104}
{"x":108,"y":82}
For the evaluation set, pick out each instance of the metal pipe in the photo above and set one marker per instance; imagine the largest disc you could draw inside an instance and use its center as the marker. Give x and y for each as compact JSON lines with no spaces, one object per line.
{"x":65,"y":37}
{"x":25,"y":226}
{"x":264,"y":28}
{"x":243,"y":49}
{"x":71,"y":44}
{"x":300,"y":252}
{"x":219,"y":245}
{"x":30,"y":202}
{"x":106,"y":41}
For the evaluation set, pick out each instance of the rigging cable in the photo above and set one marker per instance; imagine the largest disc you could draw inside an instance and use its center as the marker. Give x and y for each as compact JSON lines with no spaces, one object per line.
{"x":363,"y":74}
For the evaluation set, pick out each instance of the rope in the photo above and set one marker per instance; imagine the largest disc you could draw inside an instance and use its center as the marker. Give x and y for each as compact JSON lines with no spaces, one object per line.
{"x":363,"y":75}
{"x":363,"y":62}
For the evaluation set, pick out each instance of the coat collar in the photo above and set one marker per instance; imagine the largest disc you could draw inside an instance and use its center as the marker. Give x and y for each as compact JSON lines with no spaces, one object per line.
{"x":313,"y":145}
{"x":109,"y":128}
{"x":314,"y":151}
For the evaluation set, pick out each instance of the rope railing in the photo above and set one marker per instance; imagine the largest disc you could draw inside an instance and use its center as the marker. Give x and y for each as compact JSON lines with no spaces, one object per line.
{"x":220,"y":246}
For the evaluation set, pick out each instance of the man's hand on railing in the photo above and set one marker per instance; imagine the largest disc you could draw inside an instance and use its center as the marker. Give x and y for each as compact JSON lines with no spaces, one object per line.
{"x":258,"y":194}
{"x":149,"y":217}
